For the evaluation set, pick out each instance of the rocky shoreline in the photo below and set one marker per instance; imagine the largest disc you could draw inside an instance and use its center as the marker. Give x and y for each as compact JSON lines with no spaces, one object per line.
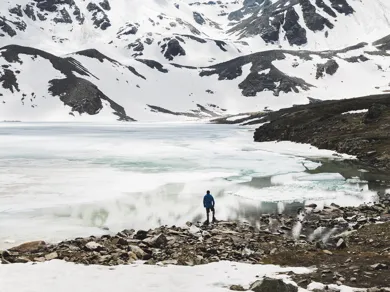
{"x":357,"y":126}
{"x":348,"y":245}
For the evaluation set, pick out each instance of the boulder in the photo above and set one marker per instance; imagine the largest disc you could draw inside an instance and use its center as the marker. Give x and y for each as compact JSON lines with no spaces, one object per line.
{"x":380,"y":267}
{"x":51,"y":256}
{"x":29,"y":247}
{"x":141,"y":234}
{"x":156,"y":241}
{"x":236,"y":288}
{"x":137,"y":251}
{"x":272,"y":285}
{"x":92,"y":245}
{"x":341,"y":244}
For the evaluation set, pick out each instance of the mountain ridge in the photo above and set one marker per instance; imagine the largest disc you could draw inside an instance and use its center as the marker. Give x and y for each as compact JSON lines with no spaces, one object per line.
{"x":135,"y":65}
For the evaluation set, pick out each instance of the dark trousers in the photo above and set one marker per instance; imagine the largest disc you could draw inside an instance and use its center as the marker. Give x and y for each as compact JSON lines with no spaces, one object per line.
{"x":208,"y":213}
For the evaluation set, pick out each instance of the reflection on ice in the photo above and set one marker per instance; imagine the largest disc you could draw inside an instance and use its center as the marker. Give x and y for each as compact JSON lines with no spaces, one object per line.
{"x":65,"y":180}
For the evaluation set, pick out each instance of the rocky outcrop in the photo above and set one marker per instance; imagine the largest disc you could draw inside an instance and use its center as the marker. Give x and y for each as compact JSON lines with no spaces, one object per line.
{"x":9,"y":81}
{"x":265,"y":18}
{"x":330,"y":125}
{"x":313,"y":20}
{"x":17,"y":10}
{"x":29,"y":11}
{"x":172,"y":49}
{"x":99,"y":17}
{"x":81,"y":95}
{"x":6,"y":28}
{"x":274,"y":80}
{"x":128,"y":29}
{"x":295,"y":33}
{"x":105,"y":4}
{"x":342,"y":6}
{"x":84,"y":97}
{"x":199,"y":18}
{"x":263,"y":74}
{"x":154,"y":65}
{"x":330,"y":68}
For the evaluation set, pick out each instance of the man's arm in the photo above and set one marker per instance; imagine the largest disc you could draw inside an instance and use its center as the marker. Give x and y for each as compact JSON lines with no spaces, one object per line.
{"x":213,"y":202}
{"x":204,"y":201}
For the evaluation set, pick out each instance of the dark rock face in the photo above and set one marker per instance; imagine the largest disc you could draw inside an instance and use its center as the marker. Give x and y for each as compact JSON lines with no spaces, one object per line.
{"x":374,"y":113}
{"x":194,"y":38}
{"x":63,"y":17}
{"x":267,"y":18}
{"x":137,"y":47}
{"x":268,"y":284}
{"x":263,"y":75}
{"x":360,"y":58}
{"x":172,"y":49}
{"x":154,"y":65}
{"x":271,"y":33}
{"x":105,"y":5}
{"x":66,"y":66}
{"x":4,"y":26}
{"x":29,"y":10}
{"x":256,"y":82}
{"x":330,"y":67}
{"x":198,"y":18}
{"x":95,"y":54}
{"x":128,"y":29}
{"x":325,"y":8}
{"x":81,"y":95}
{"x":99,"y":17}
{"x":17,"y":10}
{"x":221,"y":45}
{"x":41,"y":17}
{"x":295,"y":33}
{"x":79,"y":17}
{"x":342,"y":6}
{"x":9,"y":81}
{"x":313,"y":20}
{"x":383,"y":43}
{"x":84,"y":97}
{"x":52,"y":5}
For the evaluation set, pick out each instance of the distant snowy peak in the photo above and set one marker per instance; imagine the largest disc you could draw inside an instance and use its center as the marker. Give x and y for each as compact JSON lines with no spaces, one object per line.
{"x":156,"y":29}
{"x":313,"y":23}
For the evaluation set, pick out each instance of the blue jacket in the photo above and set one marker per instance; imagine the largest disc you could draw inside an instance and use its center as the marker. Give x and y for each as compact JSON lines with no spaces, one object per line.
{"x":208,"y":201}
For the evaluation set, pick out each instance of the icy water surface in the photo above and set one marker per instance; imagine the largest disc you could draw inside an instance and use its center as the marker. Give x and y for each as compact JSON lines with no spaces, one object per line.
{"x":64,"y":180}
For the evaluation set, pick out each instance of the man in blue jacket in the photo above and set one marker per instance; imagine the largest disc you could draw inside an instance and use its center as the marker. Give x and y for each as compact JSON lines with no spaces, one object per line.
{"x":209,"y":204}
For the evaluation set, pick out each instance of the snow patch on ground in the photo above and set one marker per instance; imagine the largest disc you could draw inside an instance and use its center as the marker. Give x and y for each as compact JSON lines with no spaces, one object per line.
{"x":235,"y":118}
{"x":64,"y":277}
{"x":356,"y":112}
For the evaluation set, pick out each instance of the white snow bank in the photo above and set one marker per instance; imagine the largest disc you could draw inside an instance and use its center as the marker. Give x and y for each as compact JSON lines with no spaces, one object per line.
{"x":235,"y":118}
{"x":298,"y":149}
{"x":60,"y":276}
{"x":356,"y":112}
{"x":318,"y":286}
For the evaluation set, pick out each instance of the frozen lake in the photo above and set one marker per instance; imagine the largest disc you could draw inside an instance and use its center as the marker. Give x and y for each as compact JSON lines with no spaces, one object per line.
{"x":64,"y":180}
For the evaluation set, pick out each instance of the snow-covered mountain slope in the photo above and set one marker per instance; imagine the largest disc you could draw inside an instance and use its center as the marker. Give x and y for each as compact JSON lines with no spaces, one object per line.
{"x":181,"y":59}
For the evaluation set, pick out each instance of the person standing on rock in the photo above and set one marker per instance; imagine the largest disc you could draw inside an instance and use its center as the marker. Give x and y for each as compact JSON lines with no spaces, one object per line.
{"x":209,"y":204}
